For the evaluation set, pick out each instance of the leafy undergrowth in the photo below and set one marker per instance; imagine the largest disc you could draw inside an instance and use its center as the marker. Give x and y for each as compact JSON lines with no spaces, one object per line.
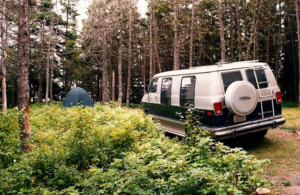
{"x":110,"y":150}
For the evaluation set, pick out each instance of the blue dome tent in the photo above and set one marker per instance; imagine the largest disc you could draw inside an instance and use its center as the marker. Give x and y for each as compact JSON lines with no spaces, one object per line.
{"x":78,"y":96}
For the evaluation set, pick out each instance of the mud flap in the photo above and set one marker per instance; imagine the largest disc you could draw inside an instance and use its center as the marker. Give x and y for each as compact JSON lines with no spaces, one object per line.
{"x":233,"y":134}
{"x":274,"y":125}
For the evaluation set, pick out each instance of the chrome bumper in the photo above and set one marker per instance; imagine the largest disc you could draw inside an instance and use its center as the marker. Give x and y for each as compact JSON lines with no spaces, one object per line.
{"x":246,"y":129}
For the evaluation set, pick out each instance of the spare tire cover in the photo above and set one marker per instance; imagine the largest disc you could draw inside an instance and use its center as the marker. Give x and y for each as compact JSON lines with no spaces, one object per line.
{"x":241,"y":98}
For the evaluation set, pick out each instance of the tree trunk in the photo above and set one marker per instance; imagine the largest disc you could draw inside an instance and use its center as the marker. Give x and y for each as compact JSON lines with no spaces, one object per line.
{"x":156,"y":40}
{"x":255,"y":44}
{"x":176,"y":39}
{"x":151,"y":44}
{"x":3,"y":58}
{"x":192,"y":34}
{"x":278,"y":44}
{"x":66,"y":82}
{"x":144,"y":64}
{"x":23,"y":84}
{"x":298,"y":34}
{"x":47,"y":69}
{"x":269,"y":32}
{"x":120,"y":68}
{"x":254,"y":27}
{"x":129,"y":58}
{"x":98,"y":87}
{"x":113,"y":92}
{"x":231,"y":36}
{"x":105,"y":97}
{"x":237,"y":10}
{"x":40,"y":71}
{"x":223,"y":49}
{"x":51,"y":80}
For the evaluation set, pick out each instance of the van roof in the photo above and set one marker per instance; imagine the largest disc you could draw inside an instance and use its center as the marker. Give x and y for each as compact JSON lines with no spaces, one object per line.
{"x":212,"y":68}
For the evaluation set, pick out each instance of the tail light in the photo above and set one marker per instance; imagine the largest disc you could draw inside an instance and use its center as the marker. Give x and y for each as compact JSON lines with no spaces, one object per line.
{"x":278,"y":97}
{"x":218,"y":108}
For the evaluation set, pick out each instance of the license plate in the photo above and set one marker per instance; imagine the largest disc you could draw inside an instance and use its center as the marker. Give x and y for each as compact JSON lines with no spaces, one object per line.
{"x":237,"y":118}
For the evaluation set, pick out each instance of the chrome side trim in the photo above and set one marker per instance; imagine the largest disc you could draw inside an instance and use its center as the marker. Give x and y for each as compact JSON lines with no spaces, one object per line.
{"x":167,"y":119}
{"x":173,"y":132}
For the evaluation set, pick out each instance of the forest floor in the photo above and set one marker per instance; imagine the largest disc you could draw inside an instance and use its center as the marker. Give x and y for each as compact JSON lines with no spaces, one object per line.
{"x":282,"y":147}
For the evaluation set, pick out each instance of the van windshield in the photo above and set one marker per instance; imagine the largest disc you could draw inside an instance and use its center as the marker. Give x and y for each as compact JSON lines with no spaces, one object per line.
{"x":230,"y":77}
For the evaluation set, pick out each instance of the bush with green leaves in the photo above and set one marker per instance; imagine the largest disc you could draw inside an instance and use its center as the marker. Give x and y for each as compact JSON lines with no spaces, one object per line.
{"x":111,"y":150}
{"x":9,"y":138}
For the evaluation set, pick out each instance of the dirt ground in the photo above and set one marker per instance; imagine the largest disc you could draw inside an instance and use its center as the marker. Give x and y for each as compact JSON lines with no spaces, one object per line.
{"x":282,"y":147}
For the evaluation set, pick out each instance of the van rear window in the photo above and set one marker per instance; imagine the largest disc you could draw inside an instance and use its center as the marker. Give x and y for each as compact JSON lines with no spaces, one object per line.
{"x":230,"y":77}
{"x":261,"y":78}
{"x":166,"y":87}
{"x":187,"y":91}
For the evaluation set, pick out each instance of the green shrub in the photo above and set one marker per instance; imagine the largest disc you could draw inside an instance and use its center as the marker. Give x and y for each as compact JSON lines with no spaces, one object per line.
{"x":287,"y":183}
{"x":9,"y":138}
{"x":289,"y":104}
{"x":111,"y":150}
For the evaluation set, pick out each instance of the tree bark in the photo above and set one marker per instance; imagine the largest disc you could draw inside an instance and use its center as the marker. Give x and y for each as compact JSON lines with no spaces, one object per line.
{"x":223,"y":49}
{"x":151,"y":45}
{"x":113,"y":93}
{"x":40,"y":72}
{"x":156,"y":40}
{"x":192,"y":34}
{"x":40,"y":89}
{"x":105,"y":95}
{"x":269,"y":32}
{"x":254,"y":27}
{"x":98,"y":87}
{"x":176,"y":39}
{"x":298,"y":34}
{"x":23,"y":84}
{"x":47,"y":68}
{"x":120,"y":68}
{"x":3,"y":58}
{"x":144,"y":65}
{"x":237,"y":10}
{"x":129,"y":56}
{"x":278,"y":44}
{"x":231,"y":36}
{"x":51,"y":80}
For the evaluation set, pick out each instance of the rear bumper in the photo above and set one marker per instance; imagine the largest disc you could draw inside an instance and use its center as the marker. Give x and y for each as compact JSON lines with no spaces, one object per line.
{"x":246,"y":129}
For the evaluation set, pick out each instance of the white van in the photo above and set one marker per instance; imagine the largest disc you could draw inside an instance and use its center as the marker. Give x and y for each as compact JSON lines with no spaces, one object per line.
{"x":231,"y":99}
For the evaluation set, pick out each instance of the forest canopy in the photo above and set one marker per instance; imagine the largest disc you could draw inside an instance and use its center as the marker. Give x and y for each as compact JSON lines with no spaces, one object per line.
{"x":117,"y":51}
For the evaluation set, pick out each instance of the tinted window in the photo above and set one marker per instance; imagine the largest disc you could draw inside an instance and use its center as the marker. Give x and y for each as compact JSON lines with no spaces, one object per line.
{"x":187,"y":91}
{"x":166,"y":87}
{"x":261,"y":78}
{"x":230,"y":77}
{"x":153,"y":86}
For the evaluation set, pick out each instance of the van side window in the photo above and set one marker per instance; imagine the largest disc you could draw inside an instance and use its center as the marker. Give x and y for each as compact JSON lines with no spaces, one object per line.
{"x":153,"y":86}
{"x":166,"y":87}
{"x":187,"y":90}
{"x":261,"y":78}
{"x":230,"y":77}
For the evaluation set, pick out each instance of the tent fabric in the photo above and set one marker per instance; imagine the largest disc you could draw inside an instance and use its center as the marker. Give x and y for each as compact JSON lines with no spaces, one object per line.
{"x":78,"y":96}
